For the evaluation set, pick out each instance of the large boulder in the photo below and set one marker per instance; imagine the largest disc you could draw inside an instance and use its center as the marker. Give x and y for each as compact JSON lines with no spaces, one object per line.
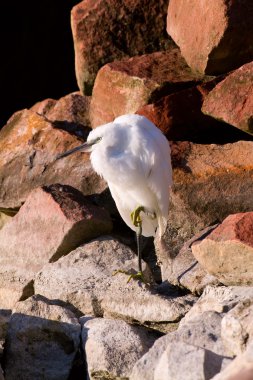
{"x":227,"y":251}
{"x":106,"y":30}
{"x":53,"y":221}
{"x":29,"y":144}
{"x":214,"y":36}
{"x":232,"y":99}
{"x":179,"y":116}
{"x":122,"y":87}
{"x":210,"y":183}
{"x":112,"y":347}
{"x":84,"y":278}
{"x":42,"y":341}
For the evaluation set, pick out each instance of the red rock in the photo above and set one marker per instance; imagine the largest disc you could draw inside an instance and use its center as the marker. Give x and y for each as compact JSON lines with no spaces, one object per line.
{"x":29,"y":145}
{"x":228,"y":251}
{"x":232,"y":99}
{"x":214,"y":36}
{"x":210,"y":182}
{"x":179,"y":116}
{"x":123,"y":87}
{"x":107,"y":30}
{"x":72,"y":108}
{"x":53,"y":221}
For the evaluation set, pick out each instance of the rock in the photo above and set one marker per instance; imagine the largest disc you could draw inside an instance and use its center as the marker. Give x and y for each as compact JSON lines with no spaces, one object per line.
{"x":43,"y":107}
{"x":179,"y":116}
{"x":4,"y":218}
{"x":127,"y":29}
{"x":28,"y":147}
{"x":210,"y":183}
{"x":219,"y":299}
{"x":84,"y":279}
{"x":53,"y":221}
{"x":68,"y":110}
{"x":122,"y":87}
{"x":112,"y":347}
{"x":237,"y":327}
{"x":232,"y":99}
{"x":186,"y":272}
{"x":217,"y":41}
{"x":240,"y":368}
{"x":198,"y":342}
{"x":42,"y":341}
{"x":227,"y":251}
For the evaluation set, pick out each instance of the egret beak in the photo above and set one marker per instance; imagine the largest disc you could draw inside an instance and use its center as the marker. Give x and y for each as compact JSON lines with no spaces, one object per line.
{"x":86,"y":147}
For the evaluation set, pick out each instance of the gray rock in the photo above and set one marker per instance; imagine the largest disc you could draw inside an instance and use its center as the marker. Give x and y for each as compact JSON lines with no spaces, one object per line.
{"x":237,"y":327}
{"x":42,"y":341}
{"x":194,"y":351}
{"x":53,"y":221}
{"x":112,"y":347}
{"x":241,"y":367}
{"x":84,"y":279}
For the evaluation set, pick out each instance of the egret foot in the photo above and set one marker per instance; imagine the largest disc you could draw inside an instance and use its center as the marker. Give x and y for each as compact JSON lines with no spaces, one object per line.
{"x":136,"y":276}
{"x":135,"y":216}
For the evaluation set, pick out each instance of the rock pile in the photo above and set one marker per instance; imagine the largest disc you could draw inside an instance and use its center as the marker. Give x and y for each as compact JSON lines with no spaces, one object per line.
{"x":63,"y":312}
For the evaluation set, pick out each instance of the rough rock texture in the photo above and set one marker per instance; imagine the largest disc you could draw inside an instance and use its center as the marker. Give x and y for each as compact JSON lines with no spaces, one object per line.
{"x":84,"y":279}
{"x":68,"y":111}
{"x":186,"y":272}
{"x":227,"y":251}
{"x":42,"y":341}
{"x":232,"y":99}
{"x":237,"y":327}
{"x":219,"y":299}
{"x":122,"y":87}
{"x":210,"y":182}
{"x":104,"y":342}
{"x":211,"y":35}
{"x":241,"y":367}
{"x":198,"y":342}
{"x":4,"y":218}
{"x":104,"y":31}
{"x":29,"y":145}
{"x":53,"y":221}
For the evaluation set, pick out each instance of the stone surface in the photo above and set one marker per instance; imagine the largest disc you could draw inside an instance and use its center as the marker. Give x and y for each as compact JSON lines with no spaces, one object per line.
{"x":232,"y":99}
{"x":237,"y":327}
{"x":104,"y":342}
{"x":104,"y":31}
{"x":217,"y":41}
{"x":241,"y":367}
{"x":28,"y":147}
{"x":210,"y":183}
{"x":84,"y":279}
{"x":227,"y":251}
{"x":69,"y":111}
{"x":179,"y":116}
{"x":193,"y":351}
{"x":219,"y":299}
{"x":186,"y":272}
{"x":4,"y":218}
{"x":122,"y":87}
{"x":42,"y":341}
{"x":53,"y":221}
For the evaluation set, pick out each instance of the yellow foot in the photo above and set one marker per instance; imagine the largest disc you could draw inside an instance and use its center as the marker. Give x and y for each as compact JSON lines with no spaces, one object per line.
{"x":135,"y":216}
{"x":136,"y":276}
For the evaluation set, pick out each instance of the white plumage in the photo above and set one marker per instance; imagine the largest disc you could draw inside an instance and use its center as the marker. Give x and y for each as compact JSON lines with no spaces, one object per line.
{"x":133,"y":156}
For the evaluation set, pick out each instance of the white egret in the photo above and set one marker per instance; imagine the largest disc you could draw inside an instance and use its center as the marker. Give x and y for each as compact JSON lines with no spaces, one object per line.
{"x":133,"y":156}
